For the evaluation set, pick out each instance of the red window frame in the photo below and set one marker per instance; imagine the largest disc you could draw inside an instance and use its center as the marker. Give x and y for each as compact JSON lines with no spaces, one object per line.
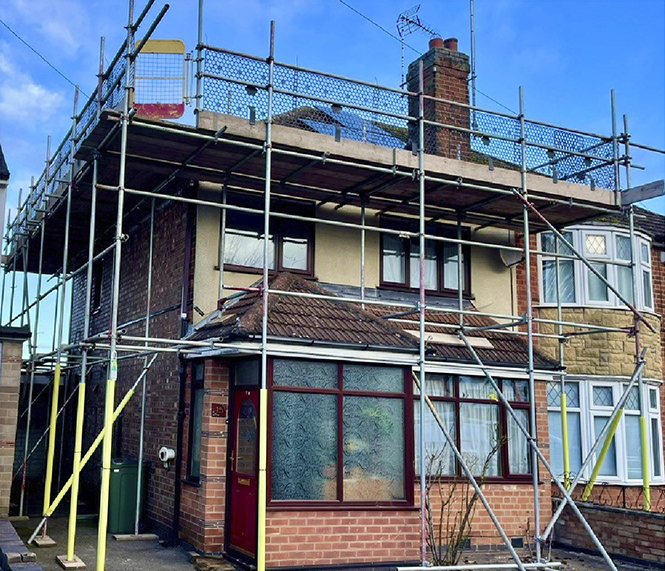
{"x":406,"y":396}
{"x":504,"y":462}
{"x":439,"y":246}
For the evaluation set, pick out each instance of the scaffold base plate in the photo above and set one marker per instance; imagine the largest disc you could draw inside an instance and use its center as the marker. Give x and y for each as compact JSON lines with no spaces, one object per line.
{"x":65,"y":563}
{"x":44,"y":541}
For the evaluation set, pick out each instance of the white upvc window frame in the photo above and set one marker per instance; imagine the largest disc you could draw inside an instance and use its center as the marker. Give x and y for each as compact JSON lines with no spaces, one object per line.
{"x":582,"y":273}
{"x":588,"y":411}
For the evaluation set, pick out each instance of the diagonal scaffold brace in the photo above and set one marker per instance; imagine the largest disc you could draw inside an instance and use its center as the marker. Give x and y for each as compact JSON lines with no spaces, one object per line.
{"x":541,"y":457}
{"x":93,"y":447}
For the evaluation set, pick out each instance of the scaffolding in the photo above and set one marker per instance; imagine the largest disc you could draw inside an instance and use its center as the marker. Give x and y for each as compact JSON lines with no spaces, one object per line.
{"x":251,"y":93}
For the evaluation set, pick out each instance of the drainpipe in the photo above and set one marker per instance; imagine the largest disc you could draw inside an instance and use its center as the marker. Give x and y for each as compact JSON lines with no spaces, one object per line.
{"x":179,"y":452}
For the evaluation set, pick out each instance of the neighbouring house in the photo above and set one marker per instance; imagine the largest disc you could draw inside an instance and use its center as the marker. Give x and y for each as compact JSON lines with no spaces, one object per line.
{"x":342,"y":418}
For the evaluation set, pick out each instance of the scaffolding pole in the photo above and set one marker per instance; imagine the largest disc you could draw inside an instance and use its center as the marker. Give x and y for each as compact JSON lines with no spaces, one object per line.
{"x":61,"y":323}
{"x":144,"y":386}
{"x":539,"y":456}
{"x":421,"y":309}
{"x":115,"y":299}
{"x":263,"y":392}
{"x":33,"y":351}
{"x":80,"y":409}
{"x":529,"y":327}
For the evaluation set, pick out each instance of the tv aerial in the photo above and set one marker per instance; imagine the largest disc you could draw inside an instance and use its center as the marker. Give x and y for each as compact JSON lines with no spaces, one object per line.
{"x":408,"y":22}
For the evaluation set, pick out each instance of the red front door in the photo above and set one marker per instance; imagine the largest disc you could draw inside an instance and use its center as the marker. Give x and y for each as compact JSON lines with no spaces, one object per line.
{"x":244,"y":472}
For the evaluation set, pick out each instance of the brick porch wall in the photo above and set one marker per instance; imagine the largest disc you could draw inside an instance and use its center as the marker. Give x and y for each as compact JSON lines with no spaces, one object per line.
{"x":203,"y":506}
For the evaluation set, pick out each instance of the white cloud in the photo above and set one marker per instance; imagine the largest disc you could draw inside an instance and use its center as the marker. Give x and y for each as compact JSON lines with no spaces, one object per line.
{"x":22,"y":99}
{"x":58,"y":23}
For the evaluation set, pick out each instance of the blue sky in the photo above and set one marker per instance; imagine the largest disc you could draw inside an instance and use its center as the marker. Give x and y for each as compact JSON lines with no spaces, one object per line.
{"x":567,"y":54}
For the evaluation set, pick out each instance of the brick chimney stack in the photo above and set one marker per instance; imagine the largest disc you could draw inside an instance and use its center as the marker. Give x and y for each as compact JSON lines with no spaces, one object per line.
{"x":445,"y":75}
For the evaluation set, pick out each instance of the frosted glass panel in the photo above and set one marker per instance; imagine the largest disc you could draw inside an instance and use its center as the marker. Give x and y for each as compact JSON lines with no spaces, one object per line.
{"x":373,"y":378}
{"x":304,"y":450}
{"x":311,"y":374}
{"x":373,"y":449}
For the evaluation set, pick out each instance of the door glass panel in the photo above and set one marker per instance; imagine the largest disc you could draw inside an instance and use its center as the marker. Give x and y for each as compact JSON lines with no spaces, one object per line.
{"x":246,"y":439}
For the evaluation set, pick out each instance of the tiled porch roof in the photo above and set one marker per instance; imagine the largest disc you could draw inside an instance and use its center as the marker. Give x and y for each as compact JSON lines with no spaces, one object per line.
{"x":339,"y":322}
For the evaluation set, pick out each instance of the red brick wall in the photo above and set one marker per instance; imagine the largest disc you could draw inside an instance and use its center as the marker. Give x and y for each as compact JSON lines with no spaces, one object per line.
{"x":344,"y":536}
{"x":203,"y":505}
{"x":162,"y":379}
{"x":627,"y":533}
{"x":445,"y":75}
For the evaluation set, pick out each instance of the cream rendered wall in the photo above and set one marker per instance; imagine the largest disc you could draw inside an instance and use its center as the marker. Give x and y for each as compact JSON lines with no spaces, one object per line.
{"x":337,"y":259}
{"x":493,"y":285}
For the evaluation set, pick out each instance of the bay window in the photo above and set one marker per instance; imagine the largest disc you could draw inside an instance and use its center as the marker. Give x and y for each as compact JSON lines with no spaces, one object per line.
{"x":609,"y":252}
{"x":339,"y":433}
{"x":489,"y":439}
{"x":589,"y":404}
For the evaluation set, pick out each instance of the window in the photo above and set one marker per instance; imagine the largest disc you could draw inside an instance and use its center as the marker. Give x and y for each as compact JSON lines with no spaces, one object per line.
{"x":590,"y":404}
{"x":195,"y":423}
{"x":609,"y":252}
{"x":339,"y":433}
{"x":487,"y":437}
{"x":290,"y":243}
{"x":400,"y":262}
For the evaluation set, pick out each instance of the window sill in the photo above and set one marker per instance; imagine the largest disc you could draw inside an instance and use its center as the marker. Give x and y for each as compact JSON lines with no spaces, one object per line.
{"x":307,"y":274}
{"x":401,"y":288}
{"x":191,"y":483}
{"x":311,"y":507}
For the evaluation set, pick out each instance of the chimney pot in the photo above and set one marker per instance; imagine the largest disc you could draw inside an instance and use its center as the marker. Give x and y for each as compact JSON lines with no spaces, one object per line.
{"x":436,"y":43}
{"x":450,"y":44}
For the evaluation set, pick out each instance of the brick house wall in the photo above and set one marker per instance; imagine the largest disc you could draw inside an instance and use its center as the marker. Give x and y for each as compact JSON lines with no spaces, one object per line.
{"x":11,"y":349}
{"x":605,"y":353}
{"x":162,"y":380}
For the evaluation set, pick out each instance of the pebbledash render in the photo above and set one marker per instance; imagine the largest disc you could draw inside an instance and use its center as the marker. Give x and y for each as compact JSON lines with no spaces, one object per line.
{"x":348,"y":315}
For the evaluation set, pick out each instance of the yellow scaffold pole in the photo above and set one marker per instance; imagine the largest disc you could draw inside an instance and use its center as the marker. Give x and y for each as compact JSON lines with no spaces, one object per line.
{"x":601,"y":456}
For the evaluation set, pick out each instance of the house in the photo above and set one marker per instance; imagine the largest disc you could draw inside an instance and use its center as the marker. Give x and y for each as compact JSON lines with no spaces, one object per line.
{"x":320,"y":464}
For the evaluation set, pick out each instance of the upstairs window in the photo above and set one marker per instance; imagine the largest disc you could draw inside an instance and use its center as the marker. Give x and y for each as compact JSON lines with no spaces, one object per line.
{"x":400,"y":263}
{"x":290,"y":243}
{"x":609,"y":252}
